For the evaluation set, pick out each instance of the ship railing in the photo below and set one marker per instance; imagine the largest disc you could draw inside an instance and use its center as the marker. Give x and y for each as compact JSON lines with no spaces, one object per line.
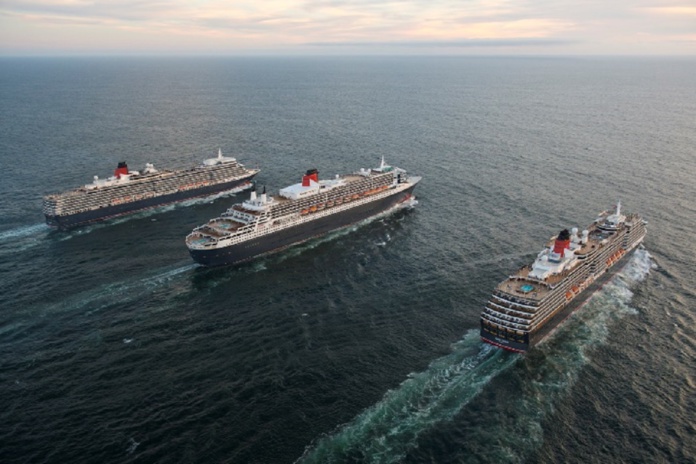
{"x":239,"y":238}
{"x":506,"y":309}
{"x":504,"y":316}
{"x":503,"y":322}
{"x":508,"y":298}
{"x":166,"y":178}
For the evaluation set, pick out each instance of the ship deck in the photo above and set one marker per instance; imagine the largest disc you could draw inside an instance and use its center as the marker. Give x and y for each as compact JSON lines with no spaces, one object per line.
{"x":521,"y":285}
{"x":220,"y":227}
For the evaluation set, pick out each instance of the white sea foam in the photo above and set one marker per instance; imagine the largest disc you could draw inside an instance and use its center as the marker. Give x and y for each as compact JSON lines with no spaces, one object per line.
{"x":132,"y":445}
{"x":298,"y":249}
{"x":120,"y":292}
{"x":556,"y":365}
{"x":24,"y":231}
{"x":388,"y":430}
{"x":22,"y":238}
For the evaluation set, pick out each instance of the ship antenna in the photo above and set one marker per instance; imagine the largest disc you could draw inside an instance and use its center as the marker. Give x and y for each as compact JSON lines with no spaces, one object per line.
{"x":219,"y":153}
{"x":618,"y":208}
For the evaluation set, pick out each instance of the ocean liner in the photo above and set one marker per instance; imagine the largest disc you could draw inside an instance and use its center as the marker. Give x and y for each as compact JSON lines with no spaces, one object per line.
{"x":129,"y":191}
{"x":528,"y":305}
{"x":299,"y":212}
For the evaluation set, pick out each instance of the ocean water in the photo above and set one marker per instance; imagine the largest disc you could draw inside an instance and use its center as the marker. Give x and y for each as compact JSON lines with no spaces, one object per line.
{"x":360,"y":346}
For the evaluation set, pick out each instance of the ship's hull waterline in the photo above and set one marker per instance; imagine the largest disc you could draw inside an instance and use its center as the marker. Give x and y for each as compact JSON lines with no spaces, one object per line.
{"x":70,"y":221}
{"x":283,"y":238}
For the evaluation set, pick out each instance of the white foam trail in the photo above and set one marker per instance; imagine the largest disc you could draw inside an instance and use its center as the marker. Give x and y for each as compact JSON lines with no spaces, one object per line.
{"x":555,"y":366}
{"x":119,"y":292}
{"x":24,"y":231}
{"x":22,"y":238}
{"x":298,"y":249}
{"x":387,"y":431}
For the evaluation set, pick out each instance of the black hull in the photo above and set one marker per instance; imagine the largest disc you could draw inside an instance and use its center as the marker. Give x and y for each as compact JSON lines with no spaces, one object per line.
{"x":532,"y":339}
{"x":87,"y":217}
{"x":281,"y":239}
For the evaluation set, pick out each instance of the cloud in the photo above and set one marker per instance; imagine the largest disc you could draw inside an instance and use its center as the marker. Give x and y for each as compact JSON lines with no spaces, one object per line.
{"x":283,"y":24}
{"x":678,"y":11}
{"x":521,"y":42}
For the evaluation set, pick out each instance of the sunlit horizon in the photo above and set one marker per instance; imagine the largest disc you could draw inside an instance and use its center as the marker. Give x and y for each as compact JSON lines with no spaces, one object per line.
{"x":340,"y":27}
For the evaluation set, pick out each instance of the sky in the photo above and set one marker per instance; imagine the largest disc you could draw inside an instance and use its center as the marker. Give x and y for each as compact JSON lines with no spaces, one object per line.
{"x":356,"y":27}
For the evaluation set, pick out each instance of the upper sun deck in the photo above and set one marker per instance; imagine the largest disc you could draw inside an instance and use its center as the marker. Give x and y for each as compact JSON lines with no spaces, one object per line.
{"x":526,"y":285}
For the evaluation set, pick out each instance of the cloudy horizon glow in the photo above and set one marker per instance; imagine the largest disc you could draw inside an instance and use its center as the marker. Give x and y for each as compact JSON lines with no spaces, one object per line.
{"x":562,"y":27}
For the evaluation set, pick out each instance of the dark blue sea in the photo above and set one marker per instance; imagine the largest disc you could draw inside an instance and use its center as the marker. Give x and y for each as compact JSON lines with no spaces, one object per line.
{"x":361,"y":346}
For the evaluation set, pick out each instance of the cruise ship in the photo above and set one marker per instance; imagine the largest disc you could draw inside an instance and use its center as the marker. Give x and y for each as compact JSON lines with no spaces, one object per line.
{"x":129,"y":191}
{"x":311,"y":208}
{"x":528,"y":305}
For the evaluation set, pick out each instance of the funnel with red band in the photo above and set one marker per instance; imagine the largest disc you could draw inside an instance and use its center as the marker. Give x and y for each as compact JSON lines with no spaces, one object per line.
{"x":312,"y":174}
{"x":122,"y":168}
{"x":562,"y":242}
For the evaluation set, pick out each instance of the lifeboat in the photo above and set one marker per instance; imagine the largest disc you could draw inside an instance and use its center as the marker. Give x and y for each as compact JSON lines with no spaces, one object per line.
{"x":321,"y":206}
{"x":329,"y":204}
{"x":339,"y":201}
{"x":355,"y":197}
{"x":569,"y":295}
{"x":347,"y":199}
{"x":312,"y":209}
{"x":304,"y":211}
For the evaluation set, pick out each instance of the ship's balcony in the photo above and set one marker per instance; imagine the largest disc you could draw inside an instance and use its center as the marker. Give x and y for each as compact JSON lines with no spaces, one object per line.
{"x":510,"y":311}
{"x":503,"y":321}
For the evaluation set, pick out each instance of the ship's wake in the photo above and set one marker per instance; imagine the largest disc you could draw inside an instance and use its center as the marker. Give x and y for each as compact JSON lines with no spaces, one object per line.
{"x":22,"y":238}
{"x":549,"y":372}
{"x":121,"y":292}
{"x":298,"y":249}
{"x":26,"y":237}
{"x":387,"y":431}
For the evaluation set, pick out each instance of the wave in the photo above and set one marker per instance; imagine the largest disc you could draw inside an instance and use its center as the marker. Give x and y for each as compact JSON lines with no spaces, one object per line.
{"x":22,"y":238}
{"x":121,"y":292}
{"x":551,"y":370}
{"x":23,"y":231}
{"x":387,"y":431}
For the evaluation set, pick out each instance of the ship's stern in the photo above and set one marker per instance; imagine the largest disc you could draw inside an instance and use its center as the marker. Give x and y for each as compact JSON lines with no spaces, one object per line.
{"x":518,"y":344}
